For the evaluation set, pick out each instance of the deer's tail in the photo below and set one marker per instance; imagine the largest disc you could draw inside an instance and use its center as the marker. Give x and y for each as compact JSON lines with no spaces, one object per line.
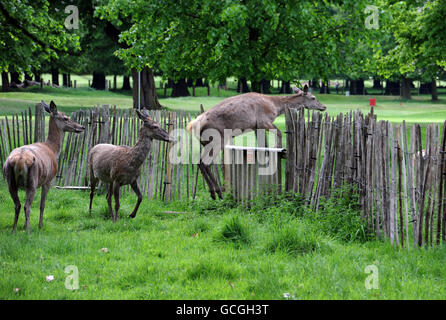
{"x":196,"y":125}
{"x":20,"y":163}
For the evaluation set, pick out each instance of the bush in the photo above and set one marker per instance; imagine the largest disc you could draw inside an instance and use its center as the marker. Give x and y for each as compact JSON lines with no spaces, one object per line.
{"x":340,"y":217}
{"x":294,"y":238}
{"x":220,"y":206}
{"x":234,"y":230}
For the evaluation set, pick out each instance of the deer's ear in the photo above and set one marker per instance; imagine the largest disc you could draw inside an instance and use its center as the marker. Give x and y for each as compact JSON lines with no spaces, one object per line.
{"x":305,"y":89}
{"x":140,"y":115}
{"x":145,"y":113}
{"x":297,"y":91}
{"x":45,"y":106}
{"x":53,"y":107}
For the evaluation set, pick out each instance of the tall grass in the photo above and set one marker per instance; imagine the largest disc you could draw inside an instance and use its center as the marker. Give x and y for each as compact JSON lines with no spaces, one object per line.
{"x":215,"y":250}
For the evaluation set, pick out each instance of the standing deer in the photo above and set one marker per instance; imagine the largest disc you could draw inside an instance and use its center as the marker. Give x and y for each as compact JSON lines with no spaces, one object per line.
{"x":35,"y":165}
{"x":121,"y":165}
{"x":247,"y":111}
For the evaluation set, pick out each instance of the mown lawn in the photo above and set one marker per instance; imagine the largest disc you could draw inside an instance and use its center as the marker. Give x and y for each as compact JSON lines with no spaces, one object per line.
{"x":420,"y":109}
{"x":215,"y":250}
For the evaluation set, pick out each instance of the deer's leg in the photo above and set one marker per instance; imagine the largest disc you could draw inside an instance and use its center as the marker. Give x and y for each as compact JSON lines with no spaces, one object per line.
{"x":204,"y":172}
{"x":13,"y":191}
{"x":30,"y":193}
{"x":209,"y":177}
{"x":93,"y":182}
{"x":45,"y":189}
{"x":135,"y":188}
{"x":279,"y":136}
{"x":116,"y":188}
{"x":109,"y":200}
{"x":271,"y":126}
{"x":213,"y":181}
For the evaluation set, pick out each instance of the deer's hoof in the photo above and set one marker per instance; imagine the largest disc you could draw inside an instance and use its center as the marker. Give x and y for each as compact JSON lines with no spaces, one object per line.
{"x":132,"y":216}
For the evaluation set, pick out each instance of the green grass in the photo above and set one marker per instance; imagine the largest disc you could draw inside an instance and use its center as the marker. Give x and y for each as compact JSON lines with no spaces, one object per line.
{"x":419,"y":109}
{"x":214,"y":251}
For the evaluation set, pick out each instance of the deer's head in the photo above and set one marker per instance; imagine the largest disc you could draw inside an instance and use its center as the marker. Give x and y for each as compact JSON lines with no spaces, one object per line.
{"x":307,"y":100}
{"x":151,"y":128}
{"x":62,"y":121}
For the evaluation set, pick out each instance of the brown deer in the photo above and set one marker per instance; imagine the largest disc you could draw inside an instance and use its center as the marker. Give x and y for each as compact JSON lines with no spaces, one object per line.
{"x":35,"y":165}
{"x":247,"y":111}
{"x":121,"y":165}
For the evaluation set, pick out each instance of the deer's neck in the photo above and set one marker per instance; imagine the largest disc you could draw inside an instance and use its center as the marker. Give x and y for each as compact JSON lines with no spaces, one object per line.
{"x":141,"y":149}
{"x":282,"y":102}
{"x":55,"y":137}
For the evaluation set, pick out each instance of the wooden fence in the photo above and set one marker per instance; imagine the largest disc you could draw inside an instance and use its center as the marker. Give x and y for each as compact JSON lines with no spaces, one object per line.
{"x":399,"y":178}
{"x":252,"y":171}
{"x":159,"y":178}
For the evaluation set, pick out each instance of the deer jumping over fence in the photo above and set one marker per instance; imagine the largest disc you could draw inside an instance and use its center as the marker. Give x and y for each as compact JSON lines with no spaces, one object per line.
{"x":246,"y":111}
{"x":33,"y":166}
{"x":121,"y":165}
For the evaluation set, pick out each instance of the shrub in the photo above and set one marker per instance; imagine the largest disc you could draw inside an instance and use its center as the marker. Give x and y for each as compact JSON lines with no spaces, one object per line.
{"x":340,"y":217}
{"x":234,"y":230}
{"x":295,"y":238}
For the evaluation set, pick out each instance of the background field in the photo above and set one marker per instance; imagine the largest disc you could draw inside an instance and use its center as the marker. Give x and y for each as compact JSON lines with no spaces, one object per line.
{"x":214,"y":249}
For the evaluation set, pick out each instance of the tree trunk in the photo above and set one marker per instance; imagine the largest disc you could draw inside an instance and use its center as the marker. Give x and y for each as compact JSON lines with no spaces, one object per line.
{"x":434,"y":90}
{"x":55,"y":76}
{"x":265,"y":86}
{"x":147,"y":90}
{"x":5,"y":81}
{"x":15,"y":77}
{"x":98,"y":80}
{"x":37,"y":76}
{"x":199,"y":83}
{"x":28,"y":77}
{"x":285,"y":87}
{"x":126,"y":83}
{"x":242,"y":85}
{"x":324,"y":88}
{"x":179,"y":89}
{"x":377,"y":84}
{"x":314,"y":84}
{"x":69,"y":79}
{"x":392,"y":88}
{"x":426,"y":88}
{"x":255,"y":86}
{"x":356,"y":87}
{"x":65,"y":80}
{"x":405,"y":89}
{"x":114,"y":82}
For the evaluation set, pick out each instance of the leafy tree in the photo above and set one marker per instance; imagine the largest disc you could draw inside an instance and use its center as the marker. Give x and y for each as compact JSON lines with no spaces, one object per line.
{"x":31,"y":33}
{"x":417,"y":33}
{"x":250,"y":39}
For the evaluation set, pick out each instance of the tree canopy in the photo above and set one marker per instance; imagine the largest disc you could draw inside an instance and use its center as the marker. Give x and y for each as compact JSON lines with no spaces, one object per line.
{"x":250,"y":39}
{"x":253,"y":38}
{"x":31,"y":33}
